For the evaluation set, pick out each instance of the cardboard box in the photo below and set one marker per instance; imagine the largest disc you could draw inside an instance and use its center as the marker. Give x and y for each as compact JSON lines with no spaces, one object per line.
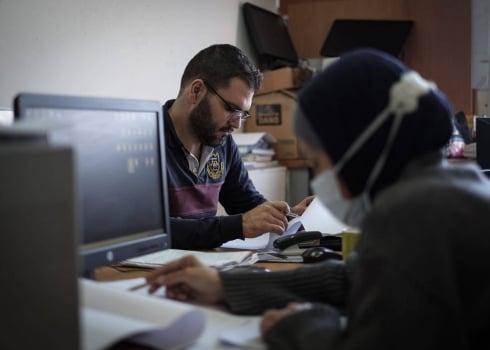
{"x":284,"y":79}
{"x":273,"y":113}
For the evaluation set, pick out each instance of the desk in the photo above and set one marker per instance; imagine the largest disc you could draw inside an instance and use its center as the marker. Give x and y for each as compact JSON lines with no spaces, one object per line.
{"x":114,"y":273}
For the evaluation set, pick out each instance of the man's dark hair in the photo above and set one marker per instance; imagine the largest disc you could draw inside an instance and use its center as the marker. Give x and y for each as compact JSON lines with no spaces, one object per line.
{"x":219,"y":63}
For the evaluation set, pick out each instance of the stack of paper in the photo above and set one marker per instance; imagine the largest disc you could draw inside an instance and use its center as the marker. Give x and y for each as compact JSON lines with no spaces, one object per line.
{"x":256,"y":148}
{"x":247,"y":141}
{"x":216,"y":259}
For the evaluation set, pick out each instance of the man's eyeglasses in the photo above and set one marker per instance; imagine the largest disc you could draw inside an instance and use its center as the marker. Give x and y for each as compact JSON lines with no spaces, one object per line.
{"x":235,"y":112}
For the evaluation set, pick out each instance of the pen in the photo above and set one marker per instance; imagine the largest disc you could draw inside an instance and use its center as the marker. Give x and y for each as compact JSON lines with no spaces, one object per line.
{"x":291,"y":215}
{"x":139,"y":286}
{"x":277,"y":255}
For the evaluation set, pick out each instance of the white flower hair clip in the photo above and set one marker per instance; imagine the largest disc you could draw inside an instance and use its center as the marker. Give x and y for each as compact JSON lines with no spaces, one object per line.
{"x":405,"y":94}
{"x":404,"y":99}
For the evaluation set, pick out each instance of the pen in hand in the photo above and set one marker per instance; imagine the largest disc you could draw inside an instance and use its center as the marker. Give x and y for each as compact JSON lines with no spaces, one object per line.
{"x":291,"y":215}
{"x":139,"y":286}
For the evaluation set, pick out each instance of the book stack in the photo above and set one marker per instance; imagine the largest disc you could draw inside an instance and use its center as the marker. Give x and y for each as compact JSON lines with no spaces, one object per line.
{"x":256,"y":149}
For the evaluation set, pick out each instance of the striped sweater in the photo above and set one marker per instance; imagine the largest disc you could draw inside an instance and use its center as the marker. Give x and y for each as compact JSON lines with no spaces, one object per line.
{"x":193,"y":200}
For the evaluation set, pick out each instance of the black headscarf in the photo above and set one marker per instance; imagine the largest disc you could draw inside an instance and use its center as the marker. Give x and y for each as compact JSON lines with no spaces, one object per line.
{"x":342,"y":101}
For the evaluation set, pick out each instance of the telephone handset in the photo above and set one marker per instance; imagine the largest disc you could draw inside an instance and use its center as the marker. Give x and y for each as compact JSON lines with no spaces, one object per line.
{"x":285,"y":242}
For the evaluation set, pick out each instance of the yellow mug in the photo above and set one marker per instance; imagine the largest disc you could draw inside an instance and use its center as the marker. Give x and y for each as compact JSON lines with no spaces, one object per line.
{"x":350,"y":237}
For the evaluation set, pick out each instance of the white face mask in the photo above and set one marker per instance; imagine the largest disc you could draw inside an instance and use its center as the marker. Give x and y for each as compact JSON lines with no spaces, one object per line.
{"x":404,"y":96}
{"x":350,"y":211}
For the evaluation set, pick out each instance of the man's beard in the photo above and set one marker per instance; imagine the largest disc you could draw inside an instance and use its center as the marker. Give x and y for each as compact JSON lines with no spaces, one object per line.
{"x":204,"y":127}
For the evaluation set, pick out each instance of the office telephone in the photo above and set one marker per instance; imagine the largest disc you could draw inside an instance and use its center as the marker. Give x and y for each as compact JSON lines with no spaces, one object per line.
{"x":293,"y":240}
{"x":291,"y":248}
{"x":308,"y":239}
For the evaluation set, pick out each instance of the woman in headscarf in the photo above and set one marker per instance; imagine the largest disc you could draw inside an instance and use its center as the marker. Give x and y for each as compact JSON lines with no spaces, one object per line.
{"x":375,"y":133}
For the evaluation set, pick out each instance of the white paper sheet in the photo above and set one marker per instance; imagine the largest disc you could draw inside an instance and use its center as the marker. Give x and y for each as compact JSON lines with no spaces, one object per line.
{"x":222,"y":331}
{"x":318,"y":218}
{"x":256,"y":243}
{"x":110,"y":314}
{"x":246,"y":334}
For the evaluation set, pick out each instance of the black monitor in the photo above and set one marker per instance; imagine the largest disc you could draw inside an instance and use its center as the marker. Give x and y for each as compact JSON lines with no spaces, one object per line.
{"x":349,"y":34}
{"x":121,"y":180}
{"x":483,"y":143}
{"x":270,"y":38}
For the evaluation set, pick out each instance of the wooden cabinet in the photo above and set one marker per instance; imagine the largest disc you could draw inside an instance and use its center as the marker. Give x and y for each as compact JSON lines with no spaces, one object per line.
{"x":439,"y":46}
{"x":271,"y":182}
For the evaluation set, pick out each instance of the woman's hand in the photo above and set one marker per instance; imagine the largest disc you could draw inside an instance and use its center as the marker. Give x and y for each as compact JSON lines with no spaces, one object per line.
{"x":271,"y":317}
{"x":187,"y":279}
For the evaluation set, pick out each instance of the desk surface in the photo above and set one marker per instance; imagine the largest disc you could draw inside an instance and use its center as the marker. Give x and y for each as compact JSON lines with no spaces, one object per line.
{"x":113,"y":273}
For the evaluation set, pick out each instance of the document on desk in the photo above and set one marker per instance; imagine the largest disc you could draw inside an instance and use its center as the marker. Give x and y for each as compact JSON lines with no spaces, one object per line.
{"x":217,"y":259}
{"x":256,"y":243}
{"x":221,"y":330}
{"x":315,"y":218}
{"x":109,"y":316}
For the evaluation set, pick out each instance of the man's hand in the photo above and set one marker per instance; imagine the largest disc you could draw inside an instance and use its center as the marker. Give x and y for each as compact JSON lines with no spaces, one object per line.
{"x":187,"y":279}
{"x":267,"y":217}
{"x":301,"y":206}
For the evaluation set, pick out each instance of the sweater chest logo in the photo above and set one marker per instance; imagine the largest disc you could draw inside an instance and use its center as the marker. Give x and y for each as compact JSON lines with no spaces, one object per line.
{"x":215,"y":166}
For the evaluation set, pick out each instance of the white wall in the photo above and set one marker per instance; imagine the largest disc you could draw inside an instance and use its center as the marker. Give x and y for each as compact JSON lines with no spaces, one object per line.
{"x":480,"y":55}
{"x":111,"y":48}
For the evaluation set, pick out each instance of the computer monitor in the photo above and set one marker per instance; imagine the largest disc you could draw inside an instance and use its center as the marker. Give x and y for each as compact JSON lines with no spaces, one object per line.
{"x":349,"y":34}
{"x":483,"y":143}
{"x":270,"y":38}
{"x":121,"y":180}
